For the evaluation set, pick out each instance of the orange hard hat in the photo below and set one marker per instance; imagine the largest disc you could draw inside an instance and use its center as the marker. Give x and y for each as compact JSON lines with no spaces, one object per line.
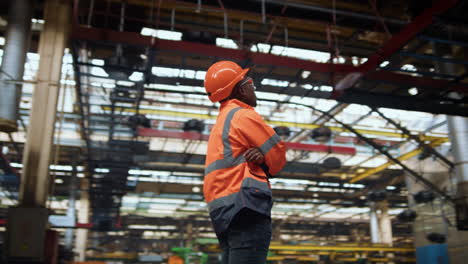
{"x":221,"y":78}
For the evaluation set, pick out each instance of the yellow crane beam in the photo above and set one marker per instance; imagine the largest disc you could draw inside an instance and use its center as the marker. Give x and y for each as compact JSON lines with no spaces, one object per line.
{"x":403,"y":157}
{"x":300,"y":258}
{"x":338,"y":248}
{"x":311,"y":258}
{"x":369,"y":259}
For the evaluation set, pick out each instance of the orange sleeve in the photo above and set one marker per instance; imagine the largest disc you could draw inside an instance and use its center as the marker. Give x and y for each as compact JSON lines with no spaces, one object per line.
{"x":251,"y":130}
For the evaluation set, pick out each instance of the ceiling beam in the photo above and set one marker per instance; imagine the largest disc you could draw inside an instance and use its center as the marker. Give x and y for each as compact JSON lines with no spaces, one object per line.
{"x":408,"y":33}
{"x":396,"y":43}
{"x":150,"y":132}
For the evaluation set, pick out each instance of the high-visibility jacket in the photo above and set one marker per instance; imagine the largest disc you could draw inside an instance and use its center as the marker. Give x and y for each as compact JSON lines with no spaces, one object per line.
{"x":232,"y":184}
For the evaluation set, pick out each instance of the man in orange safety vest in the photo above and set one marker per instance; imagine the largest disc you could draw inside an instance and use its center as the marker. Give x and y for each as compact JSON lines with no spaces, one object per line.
{"x":243,"y":152}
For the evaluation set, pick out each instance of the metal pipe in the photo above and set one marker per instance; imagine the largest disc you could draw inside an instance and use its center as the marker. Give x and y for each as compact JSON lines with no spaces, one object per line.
{"x":119,"y":50}
{"x":172,"y":19}
{"x":90,"y":13}
{"x":241,"y":29}
{"x":14,"y":57}
{"x":75,"y":12}
{"x":429,"y":129}
{"x":263,"y":12}
{"x":122,"y":16}
{"x":286,"y":36}
{"x":226,"y":25}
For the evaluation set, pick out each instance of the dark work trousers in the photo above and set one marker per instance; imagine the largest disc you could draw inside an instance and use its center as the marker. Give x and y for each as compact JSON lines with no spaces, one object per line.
{"x":247,"y":239}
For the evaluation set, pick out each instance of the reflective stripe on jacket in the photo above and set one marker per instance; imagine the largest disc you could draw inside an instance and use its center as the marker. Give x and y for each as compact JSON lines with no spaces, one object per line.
{"x":231,"y":183}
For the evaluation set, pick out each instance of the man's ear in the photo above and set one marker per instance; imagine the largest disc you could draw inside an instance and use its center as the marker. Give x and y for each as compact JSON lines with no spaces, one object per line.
{"x":242,"y":90}
{"x":235,"y":92}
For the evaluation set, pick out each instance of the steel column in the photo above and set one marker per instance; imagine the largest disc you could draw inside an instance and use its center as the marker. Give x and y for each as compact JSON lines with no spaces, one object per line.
{"x":14,"y":57}
{"x":83,"y":217}
{"x":458,"y":130}
{"x":374,"y":224}
{"x":458,"y":126}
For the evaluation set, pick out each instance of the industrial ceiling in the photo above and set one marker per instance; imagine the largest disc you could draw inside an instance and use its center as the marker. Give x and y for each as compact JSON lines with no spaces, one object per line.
{"x":352,"y":66}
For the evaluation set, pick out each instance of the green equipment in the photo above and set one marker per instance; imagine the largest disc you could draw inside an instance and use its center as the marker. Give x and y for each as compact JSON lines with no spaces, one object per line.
{"x":189,"y":256}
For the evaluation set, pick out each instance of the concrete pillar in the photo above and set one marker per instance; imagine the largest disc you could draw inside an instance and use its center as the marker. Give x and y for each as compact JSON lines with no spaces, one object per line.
{"x":380,"y":223}
{"x":35,"y":178}
{"x":385,"y":226}
{"x":23,"y":244}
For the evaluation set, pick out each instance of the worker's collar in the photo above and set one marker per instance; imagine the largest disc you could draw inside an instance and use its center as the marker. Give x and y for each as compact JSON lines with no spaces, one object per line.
{"x":236,"y":102}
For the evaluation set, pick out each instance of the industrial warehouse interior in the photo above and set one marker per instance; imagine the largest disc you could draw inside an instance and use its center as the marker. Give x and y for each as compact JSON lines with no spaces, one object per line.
{"x":105,"y":122}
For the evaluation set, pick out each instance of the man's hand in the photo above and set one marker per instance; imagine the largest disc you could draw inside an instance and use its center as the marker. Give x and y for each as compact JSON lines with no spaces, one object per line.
{"x":254,"y":155}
